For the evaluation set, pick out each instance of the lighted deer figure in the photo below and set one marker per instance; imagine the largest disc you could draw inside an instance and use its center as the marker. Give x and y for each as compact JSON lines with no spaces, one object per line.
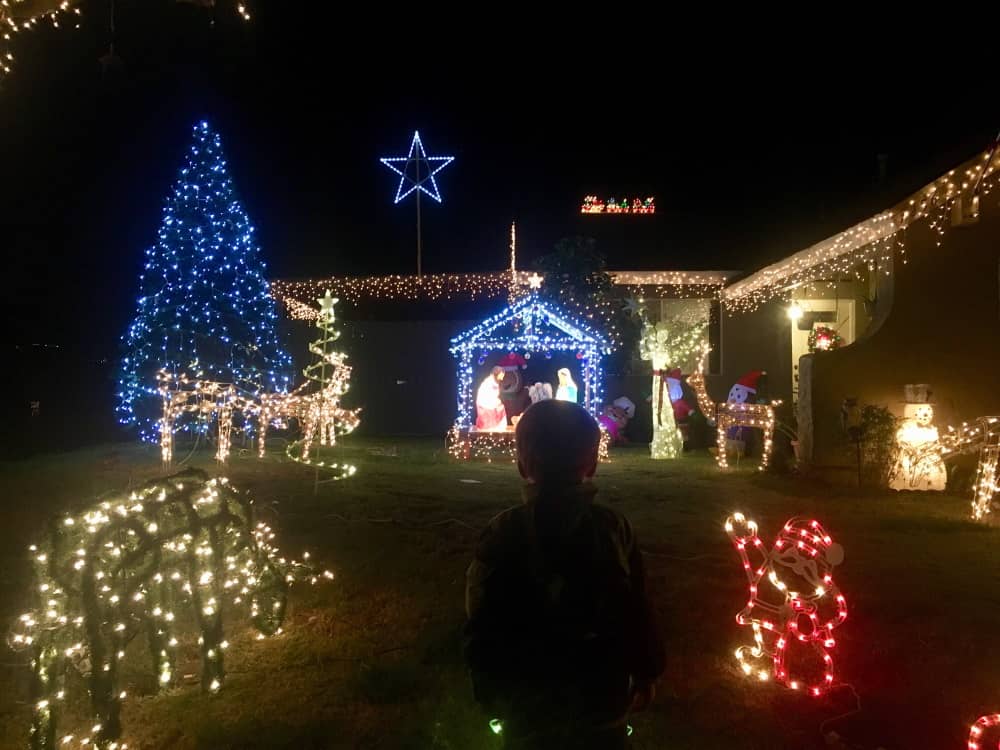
{"x":794,"y":604}
{"x":983,"y":436}
{"x":315,"y":404}
{"x":725,"y":415}
{"x":206,"y":398}
{"x":126,"y":566}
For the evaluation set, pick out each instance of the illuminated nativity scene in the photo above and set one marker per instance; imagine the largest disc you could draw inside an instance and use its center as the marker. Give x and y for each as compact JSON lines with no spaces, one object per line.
{"x":531,"y":341}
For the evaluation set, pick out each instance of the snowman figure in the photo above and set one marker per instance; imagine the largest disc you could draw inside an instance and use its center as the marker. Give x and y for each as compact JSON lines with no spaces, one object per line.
{"x":918,"y":464}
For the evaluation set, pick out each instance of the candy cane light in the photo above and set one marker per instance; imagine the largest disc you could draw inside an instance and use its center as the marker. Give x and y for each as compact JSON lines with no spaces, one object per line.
{"x":794,"y":604}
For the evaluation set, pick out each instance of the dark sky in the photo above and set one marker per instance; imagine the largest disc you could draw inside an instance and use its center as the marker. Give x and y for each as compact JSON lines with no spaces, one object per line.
{"x":751,"y":153}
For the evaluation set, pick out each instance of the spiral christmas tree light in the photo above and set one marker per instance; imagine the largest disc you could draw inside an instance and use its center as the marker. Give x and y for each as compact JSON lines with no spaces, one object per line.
{"x":316,"y":403}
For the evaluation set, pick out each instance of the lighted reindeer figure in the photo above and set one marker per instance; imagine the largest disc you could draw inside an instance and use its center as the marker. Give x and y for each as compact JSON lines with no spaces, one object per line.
{"x":126,"y":566}
{"x":729,"y":414}
{"x":315,"y":404}
{"x":793,"y":616}
{"x":208,"y":399}
{"x":982,"y":436}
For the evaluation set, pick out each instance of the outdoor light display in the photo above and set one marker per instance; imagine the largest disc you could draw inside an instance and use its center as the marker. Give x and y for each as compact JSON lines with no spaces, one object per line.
{"x":669,"y":344}
{"x":130,"y":565}
{"x":919,"y":462}
{"x":731,"y":414}
{"x":794,"y":604}
{"x":530,"y":325}
{"x":316,"y":403}
{"x":594,"y":205}
{"x":21,"y":15}
{"x":870,"y":245}
{"x":205,"y":398}
{"x":979,"y":728}
{"x":297,"y":295}
{"x":824,"y":339}
{"x":408,"y":169}
{"x":984,"y":437}
{"x":204,"y":303}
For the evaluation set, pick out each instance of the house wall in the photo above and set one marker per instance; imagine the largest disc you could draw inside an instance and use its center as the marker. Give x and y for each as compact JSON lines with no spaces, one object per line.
{"x":402,"y":374}
{"x":941,"y":328}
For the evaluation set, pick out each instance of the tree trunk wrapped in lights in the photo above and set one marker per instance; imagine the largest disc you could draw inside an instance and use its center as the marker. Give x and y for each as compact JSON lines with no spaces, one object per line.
{"x":667,"y":345}
{"x":316,"y":403}
{"x":125,"y":566}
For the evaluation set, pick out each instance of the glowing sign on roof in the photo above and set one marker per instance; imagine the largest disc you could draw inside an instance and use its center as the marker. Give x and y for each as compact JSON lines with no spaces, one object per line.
{"x":594,"y":205}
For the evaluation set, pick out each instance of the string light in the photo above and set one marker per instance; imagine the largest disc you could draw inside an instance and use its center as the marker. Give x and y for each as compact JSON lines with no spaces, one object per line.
{"x":976,"y":731}
{"x":128,"y":565}
{"x":984,"y":437}
{"x":17,"y":16}
{"x":594,"y":205}
{"x":530,"y":325}
{"x":206,"y":398}
{"x":798,"y":571}
{"x":729,"y":414}
{"x":871,"y":244}
{"x":416,"y":181}
{"x":295,"y":294}
{"x":669,"y":344}
{"x":467,"y":444}
{"x":919,"y":454}
{"x":316,"y":403}
{"x":204,"y":302}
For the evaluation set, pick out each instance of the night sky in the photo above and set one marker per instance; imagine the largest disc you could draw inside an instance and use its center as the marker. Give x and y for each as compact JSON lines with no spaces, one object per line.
{"x":746,"y":164}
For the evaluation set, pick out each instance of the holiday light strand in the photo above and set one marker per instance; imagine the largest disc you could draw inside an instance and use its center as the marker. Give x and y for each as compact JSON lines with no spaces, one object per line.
{"x":669,"y":344}
{"x":474,"y":287}
{"x":16,"y":16}
{"x":465,"y":445}
{"x":208,"y":399}
{"x":977,"y":730}
{"x":874,"y":242}
{"x":316,"y":403}
{"x":532,"y":326}
{"x":204,"y":302}
{"x":728,"y":414}
{"x":984,"y":437}
{"x":127,"y":566}
{"x":798,"y":570}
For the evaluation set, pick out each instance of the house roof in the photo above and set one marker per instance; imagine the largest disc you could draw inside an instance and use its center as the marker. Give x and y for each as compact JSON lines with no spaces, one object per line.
{"x":543,"y":325}
{"x":873,"y":239}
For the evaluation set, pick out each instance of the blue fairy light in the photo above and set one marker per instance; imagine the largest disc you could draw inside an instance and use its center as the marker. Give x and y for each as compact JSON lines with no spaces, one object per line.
{"x":204,"y":304}
{"x":543,"y":327}
{"x":418,"y":169}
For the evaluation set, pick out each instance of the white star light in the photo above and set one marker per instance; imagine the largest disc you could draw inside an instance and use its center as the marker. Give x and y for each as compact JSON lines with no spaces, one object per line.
{"x":424,"y":168}
{"x":535,"y":281}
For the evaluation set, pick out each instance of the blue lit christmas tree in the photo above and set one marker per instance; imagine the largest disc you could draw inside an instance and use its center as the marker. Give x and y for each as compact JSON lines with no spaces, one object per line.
{"x":204,"y":304}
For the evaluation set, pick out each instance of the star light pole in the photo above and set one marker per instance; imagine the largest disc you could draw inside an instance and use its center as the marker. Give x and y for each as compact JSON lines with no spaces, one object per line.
{"x":414,"y":182}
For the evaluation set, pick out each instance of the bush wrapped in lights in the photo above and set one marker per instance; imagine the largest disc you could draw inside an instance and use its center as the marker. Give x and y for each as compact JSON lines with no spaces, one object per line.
{"x":129,"y":565}
{"x":794,"y":604}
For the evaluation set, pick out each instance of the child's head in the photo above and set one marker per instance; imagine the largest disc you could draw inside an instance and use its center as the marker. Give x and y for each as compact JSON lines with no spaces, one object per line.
{"x":557,"y":443}
{"x":497,"y":373}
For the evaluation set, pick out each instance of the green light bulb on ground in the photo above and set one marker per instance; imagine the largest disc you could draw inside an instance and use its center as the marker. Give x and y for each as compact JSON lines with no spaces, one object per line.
{"x":496,"y":725}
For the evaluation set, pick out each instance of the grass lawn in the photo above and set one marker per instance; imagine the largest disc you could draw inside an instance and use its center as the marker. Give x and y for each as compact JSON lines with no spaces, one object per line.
{"x":372,"y":659}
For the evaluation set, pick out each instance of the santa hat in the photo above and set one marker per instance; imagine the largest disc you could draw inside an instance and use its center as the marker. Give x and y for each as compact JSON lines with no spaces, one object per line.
{"x":511,"y":361}
{"x":749,"y":381}
{"x":625,"y":404}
